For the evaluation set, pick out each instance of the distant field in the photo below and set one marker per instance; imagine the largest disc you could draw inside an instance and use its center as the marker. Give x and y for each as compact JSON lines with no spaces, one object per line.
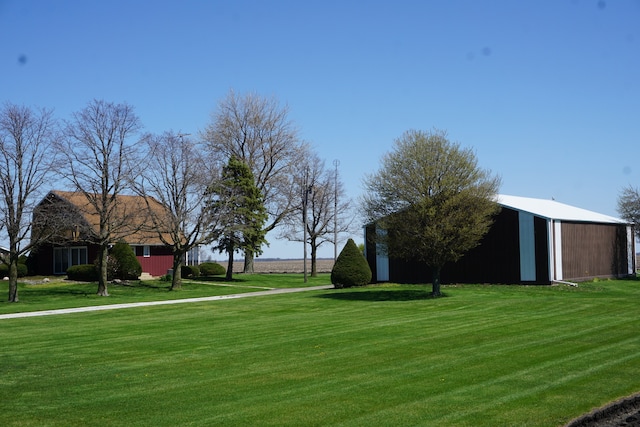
{"x":283,"y":266}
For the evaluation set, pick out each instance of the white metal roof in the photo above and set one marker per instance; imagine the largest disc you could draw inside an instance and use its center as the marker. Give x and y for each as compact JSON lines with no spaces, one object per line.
{"x":554,"y":210}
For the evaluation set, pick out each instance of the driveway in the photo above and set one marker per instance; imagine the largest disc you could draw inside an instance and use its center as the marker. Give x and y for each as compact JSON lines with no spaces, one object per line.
{"x":150,"y":303}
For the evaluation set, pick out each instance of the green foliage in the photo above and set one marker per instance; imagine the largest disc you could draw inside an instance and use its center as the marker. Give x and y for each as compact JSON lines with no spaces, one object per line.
{"x":431,"y":200}
{"x":351,"y":268}
{"x":83,"y":273}
{"x":212,"y":269}
{"x":23,"y":271}
{"x":125,"y":264}
{"x":190,"y":271}
{"x":240,"y":208}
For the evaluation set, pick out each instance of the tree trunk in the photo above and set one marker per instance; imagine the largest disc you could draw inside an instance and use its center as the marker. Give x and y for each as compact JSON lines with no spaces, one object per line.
{"x":13,"y":279}
{"x":248,"y":262}
{"x":176,"y":280}
{"x":103,"y":254}
{"x":435,"y":285}
{"x":314,"y":253}
{"x":229,"y":275}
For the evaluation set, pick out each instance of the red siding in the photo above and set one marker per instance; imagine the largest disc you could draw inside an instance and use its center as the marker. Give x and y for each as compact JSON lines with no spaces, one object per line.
{"x":156,"y":265}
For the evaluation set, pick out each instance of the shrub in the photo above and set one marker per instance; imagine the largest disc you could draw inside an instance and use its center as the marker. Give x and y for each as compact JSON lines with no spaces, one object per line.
{"x":212,"y":269}
{"x":23,"y":271}
{"x":190,"y":271}
{"x":126,"y":266}
{"x":83,"y":273}
{"x":351,"y":268}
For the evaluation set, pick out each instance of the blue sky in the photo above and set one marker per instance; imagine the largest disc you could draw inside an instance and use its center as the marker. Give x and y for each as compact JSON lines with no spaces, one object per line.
{"x":546,"y":92}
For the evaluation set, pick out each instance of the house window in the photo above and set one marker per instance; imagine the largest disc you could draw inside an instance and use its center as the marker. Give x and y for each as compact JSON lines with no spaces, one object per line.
{"x":146,"y":251}
{"x":63,"y":258}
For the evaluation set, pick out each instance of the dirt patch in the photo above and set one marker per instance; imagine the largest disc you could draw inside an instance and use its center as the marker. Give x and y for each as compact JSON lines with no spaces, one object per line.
{"x":283,"y":266}
{"x":621,"y":413}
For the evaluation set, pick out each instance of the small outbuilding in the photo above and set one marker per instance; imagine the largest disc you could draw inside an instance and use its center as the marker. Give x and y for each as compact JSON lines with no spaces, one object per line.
{"x":532,"y":241}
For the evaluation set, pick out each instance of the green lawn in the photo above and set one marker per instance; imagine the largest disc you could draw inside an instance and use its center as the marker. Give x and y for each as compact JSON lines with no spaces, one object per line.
{"x":63,"y":294}
{"x":375,"y":356}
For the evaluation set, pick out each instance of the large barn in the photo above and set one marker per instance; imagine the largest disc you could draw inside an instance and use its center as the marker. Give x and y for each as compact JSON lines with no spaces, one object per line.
{"x":532,"y":241}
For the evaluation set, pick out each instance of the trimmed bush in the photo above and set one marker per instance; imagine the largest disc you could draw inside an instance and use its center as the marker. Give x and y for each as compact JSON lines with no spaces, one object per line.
{"x":351,"y":268}
{"x":212,"y":269}
{"x":83,"y":273}
{"x":190,"y":271}
{"x":126,"y":265}
{"x":23,"y":271}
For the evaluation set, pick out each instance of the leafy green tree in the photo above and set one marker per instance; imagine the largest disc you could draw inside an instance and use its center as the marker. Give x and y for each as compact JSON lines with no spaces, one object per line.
{"x":351,"y":268}
{"x":431,"y":199}
{"x":240,"y":204}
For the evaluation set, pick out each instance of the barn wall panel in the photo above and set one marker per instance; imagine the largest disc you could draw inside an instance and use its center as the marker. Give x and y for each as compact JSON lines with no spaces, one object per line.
{"x":495,"y":260}
{"x":593,"y":250}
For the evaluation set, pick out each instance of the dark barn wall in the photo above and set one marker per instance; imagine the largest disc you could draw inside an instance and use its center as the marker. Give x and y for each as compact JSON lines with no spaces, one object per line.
{"x":495,"y":260}
{"x":370,"y":251}
{"x":541,"y":230}
{"x":593,"y":250}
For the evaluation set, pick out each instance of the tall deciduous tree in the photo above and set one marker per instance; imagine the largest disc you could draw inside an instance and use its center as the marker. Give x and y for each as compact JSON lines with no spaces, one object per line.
{"x":258,"y":131}
{"x":431,"y":199}
{"x":26,"y":160}
{"x":326,"y":207}
{"x":177,"y":176}
{"x":239,"y":204}
{"x":101,"y":163}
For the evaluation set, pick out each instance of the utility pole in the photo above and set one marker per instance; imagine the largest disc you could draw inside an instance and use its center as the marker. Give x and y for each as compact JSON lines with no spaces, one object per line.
{"x":306,"y":190}
{"x":336,"y":163}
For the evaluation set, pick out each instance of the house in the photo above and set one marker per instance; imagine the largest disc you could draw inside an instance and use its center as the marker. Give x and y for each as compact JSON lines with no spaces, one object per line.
{"x":532,"y":241}
{"x":77,"y":222}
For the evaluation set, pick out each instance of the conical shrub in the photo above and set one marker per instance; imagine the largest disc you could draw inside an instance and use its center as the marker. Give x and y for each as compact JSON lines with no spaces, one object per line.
{"x":351,"y":268}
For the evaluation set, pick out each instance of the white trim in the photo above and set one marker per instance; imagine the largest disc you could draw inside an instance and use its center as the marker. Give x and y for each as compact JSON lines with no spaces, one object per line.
{"x":631,"y":253}
{"x":557,"y":243}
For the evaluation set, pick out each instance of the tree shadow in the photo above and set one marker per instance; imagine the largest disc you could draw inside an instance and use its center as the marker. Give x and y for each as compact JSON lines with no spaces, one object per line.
{"x":219,"y":279}
{"x":381,"y":295}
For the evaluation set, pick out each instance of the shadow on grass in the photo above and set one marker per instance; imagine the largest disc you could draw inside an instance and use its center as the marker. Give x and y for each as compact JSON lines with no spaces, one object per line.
{"x":220,"y":279}
{"x":379,"y":295}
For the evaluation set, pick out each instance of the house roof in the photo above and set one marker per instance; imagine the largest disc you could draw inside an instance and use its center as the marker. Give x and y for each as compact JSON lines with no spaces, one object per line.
{"x":131,"y":209}
{"x":551,"y":209}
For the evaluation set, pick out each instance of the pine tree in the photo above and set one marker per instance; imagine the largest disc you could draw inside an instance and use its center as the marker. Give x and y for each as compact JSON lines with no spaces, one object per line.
{"x":241,"y":205}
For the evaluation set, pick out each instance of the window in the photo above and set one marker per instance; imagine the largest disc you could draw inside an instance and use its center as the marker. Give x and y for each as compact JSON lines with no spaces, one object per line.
{"x":64,"y":258}
{"x":146,"y":251}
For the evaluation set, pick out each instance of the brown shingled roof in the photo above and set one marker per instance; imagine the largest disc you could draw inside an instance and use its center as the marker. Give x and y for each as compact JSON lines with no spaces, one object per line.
{"x":132,"y":212}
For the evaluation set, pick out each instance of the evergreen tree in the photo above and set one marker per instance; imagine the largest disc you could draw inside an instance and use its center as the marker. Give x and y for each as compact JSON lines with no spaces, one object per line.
{"x":351,"y":268}
{"x":240,"y":203}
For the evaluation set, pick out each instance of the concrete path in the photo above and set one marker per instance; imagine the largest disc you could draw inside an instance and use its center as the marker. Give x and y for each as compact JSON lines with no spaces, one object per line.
{"x":150,"y":303}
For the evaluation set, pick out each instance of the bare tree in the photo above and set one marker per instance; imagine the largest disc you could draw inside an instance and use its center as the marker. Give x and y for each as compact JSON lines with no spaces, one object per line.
{"x":100,"y":147}
{"x":174,"y":186}
{"x":257,"y":131}
{"x":629,"y":206}
{"x":26,"y":159}
{"x":326,"y":208}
